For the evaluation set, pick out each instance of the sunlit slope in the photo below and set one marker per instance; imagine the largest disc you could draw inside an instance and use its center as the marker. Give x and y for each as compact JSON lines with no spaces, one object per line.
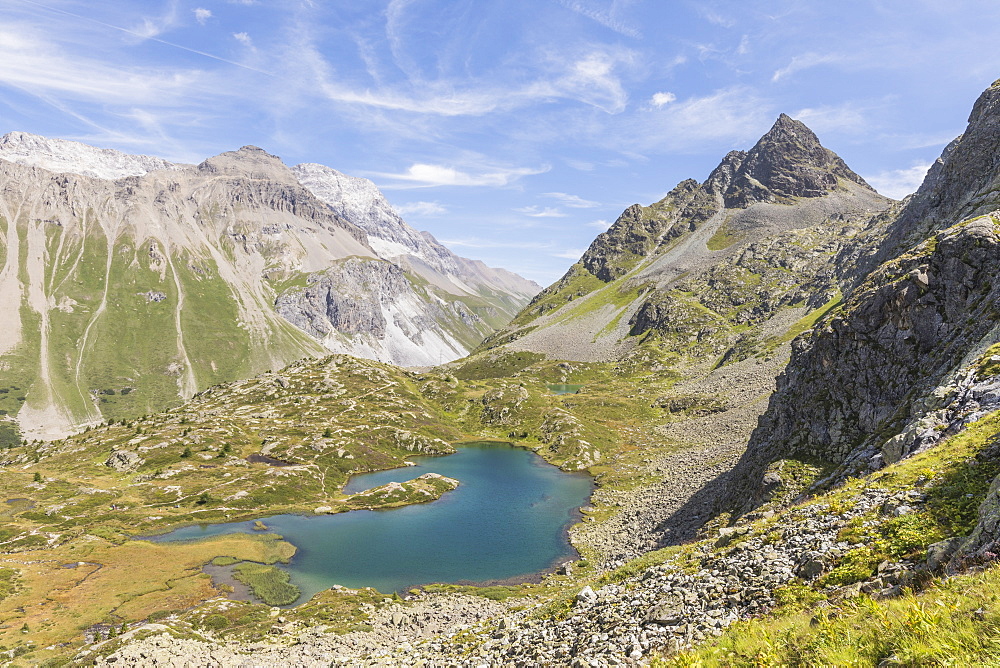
{"x":715,"y":268}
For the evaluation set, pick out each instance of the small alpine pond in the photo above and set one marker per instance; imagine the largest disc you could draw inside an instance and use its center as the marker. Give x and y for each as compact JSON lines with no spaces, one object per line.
{"x":563,"y":388}
{"x":507,"y":519}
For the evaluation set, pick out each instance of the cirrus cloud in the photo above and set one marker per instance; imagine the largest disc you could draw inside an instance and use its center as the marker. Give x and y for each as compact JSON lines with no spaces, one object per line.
{"x":544,"y":212}
{"x":423,"y":175}
{"x":420,"y":209}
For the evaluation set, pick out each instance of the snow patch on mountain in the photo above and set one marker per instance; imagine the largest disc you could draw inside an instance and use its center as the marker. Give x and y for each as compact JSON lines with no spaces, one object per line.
{"x":61,"y":155}
{"x":361,"y":202}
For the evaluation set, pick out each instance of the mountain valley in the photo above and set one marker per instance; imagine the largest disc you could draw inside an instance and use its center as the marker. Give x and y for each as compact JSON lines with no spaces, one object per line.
{"x":784,"y":385}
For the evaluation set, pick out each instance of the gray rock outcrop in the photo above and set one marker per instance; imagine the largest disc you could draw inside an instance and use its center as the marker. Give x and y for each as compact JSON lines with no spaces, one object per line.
{"x":124,"y":461}
{"x":862,"y":381}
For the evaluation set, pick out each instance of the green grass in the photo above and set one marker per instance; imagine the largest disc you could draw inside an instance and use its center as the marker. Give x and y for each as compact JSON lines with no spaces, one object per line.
{"x":268,"y":583}
{"x":987,"y":366}
{"x":723,"y":238}
{"x":9,"y":582}
{"x":495,"y":365}
{"x":809,"y":320}
{"x":577,"y":282}
{"x":954,"y":623}
{"x":224,"y":561}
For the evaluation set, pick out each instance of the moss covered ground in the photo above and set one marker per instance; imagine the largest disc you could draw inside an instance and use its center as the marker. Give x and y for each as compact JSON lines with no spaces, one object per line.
{"x":280,"y":442}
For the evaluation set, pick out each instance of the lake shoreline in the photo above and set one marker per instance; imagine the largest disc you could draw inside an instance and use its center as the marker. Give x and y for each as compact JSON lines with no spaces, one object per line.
{"x":511,"y":497}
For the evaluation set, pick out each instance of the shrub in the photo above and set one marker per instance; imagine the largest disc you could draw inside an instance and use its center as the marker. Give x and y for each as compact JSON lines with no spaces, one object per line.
{"x":215,"y":622}
{"x":856,"y":565}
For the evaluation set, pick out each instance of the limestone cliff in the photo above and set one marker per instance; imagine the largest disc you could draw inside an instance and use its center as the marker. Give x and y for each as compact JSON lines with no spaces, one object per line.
{"x":129,"y":283}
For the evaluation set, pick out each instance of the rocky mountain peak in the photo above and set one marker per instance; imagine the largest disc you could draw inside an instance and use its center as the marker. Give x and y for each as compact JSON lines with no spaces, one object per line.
{"x":355,"y":198}
{"x":251,"y":161}
{"x":786,"y":163}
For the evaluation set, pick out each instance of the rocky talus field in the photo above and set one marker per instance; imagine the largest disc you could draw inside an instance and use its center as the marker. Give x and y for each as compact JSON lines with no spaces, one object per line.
{"x":789,"y":401}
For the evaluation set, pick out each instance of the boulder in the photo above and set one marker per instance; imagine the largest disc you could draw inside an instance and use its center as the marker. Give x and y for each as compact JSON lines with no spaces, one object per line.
{"x":587,"y":596}
{"x":124,"y":461}
{"x":938,"y":554}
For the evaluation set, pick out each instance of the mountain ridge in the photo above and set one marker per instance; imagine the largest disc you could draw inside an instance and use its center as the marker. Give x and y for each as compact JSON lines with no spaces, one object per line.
{"x":790,"y":405}
{"x":188,"y":262}
{"x":662,"y":249}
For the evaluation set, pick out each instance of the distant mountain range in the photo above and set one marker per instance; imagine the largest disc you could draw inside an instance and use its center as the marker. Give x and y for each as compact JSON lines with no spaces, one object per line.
{"x":129,"y":282}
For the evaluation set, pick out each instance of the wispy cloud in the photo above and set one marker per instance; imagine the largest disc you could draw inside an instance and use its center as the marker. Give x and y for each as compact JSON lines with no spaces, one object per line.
{"x":605,"y":18}
{"x":847,"y":117}
{"x":421,"y":175}
{"x":588,"y":75}
{"x":719,"y":18}
{"x":33,"y":64}
{"x":804,"y":62}
{"x":421,"y":209}
{"x":541,"y":212}
{"x":600,"y":224}
{"x":572,"y":201}
{"x":153,"y":26}
{"x":476,"y":242}
{"x":581,"y":165}
{"x":571,"y":253}
{"x":202,"y":15}
{"x":898,"y":183}
{"x":147,"y":30}
{"x":244,"y":39}
{"x":732,"y":115}
{"x":744,"y":46}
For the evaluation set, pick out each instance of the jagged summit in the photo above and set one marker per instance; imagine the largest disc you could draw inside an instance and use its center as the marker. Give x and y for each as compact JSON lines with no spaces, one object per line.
{"x":709,"y":260}
{"x":787,"y":162}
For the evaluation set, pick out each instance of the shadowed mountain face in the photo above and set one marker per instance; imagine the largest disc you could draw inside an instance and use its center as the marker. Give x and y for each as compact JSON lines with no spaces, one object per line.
{"x":887,"y":374}
{"x":128,"y":282}
{"x":706,"y":269}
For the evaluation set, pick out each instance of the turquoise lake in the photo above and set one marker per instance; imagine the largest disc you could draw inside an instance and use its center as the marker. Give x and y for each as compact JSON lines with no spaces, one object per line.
{"x":563,"y":388}
{"x":507,"y":519}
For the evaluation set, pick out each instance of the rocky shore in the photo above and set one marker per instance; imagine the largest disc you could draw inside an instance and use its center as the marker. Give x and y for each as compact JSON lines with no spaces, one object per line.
{"x":624,"y":621}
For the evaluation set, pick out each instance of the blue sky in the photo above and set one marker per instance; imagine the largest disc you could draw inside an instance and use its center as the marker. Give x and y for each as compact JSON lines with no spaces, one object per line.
{"x":513,"y":130}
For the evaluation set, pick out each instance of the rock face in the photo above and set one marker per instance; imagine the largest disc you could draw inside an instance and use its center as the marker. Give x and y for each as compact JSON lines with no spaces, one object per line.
{"x":913,"y":320}
{"x":758,"y":237}
{"x":359,"y":201}
{"x":123,"y":460}
{"x":788,"y":162}
{"x":861,"y":384}
{"x":962,"y":183}
{"x":369,"y":307}
{"x":185,"y":263}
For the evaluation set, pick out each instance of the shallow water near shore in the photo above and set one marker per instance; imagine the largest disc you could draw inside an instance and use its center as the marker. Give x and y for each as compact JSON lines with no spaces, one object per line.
{"x":563,"y":388}
{"x":508,"y":519}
